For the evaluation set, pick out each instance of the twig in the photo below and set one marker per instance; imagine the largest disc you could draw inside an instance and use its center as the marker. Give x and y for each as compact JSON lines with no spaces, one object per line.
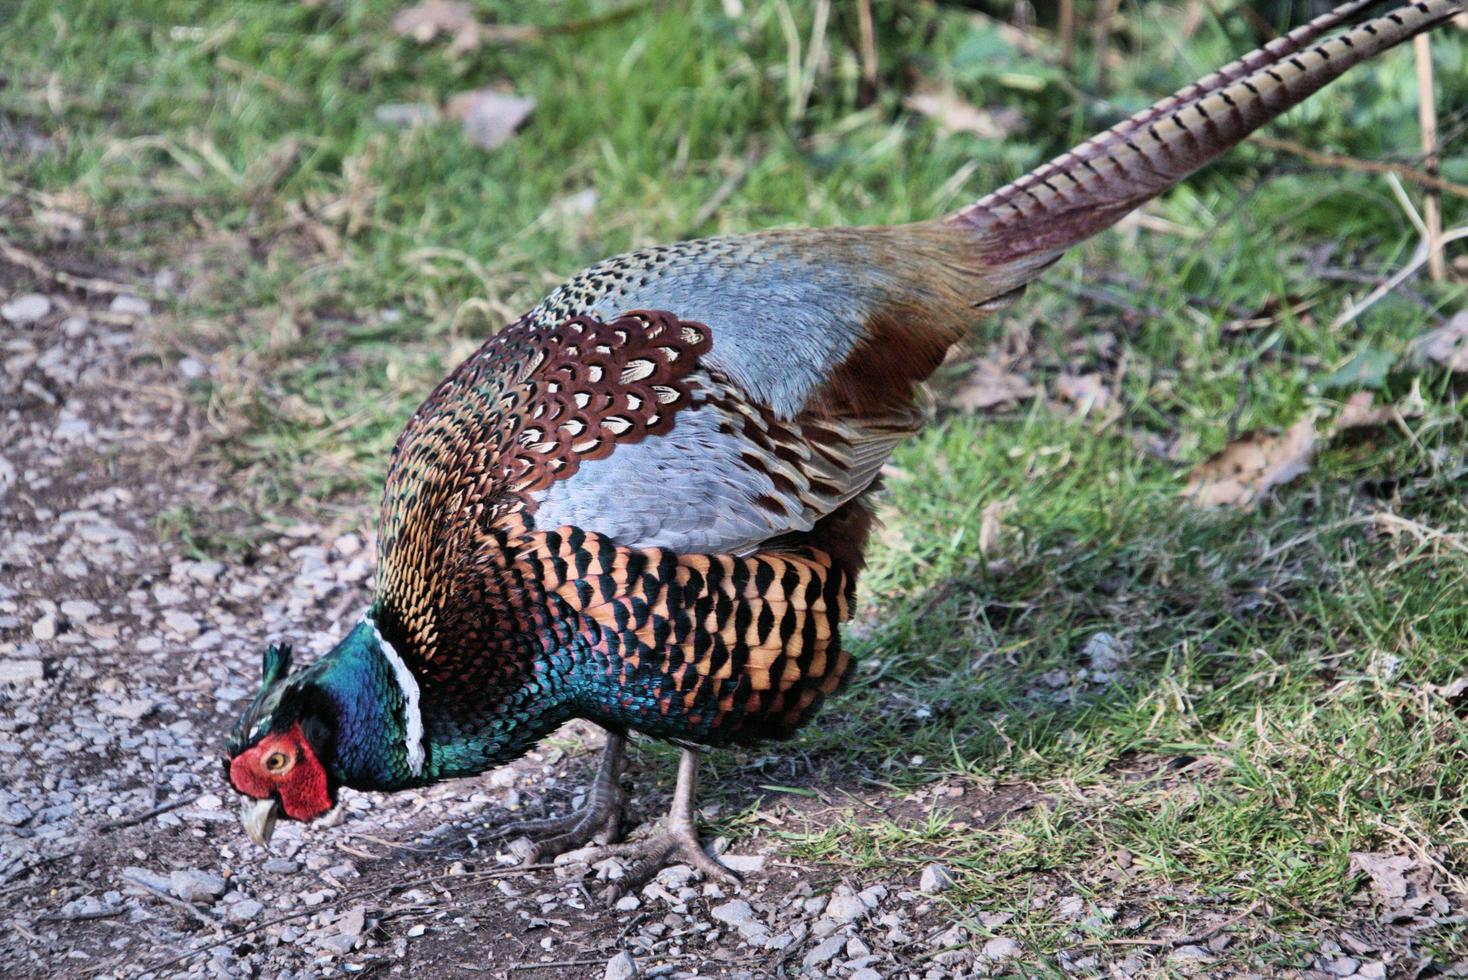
{"x":1066,"y":28}
{"x":1105,"y":13}
{"x":554,"y":963}
{"x":185,"y":907}
{"x":867,"y":28}
{"x":137,"y":818}
{"x":1342,"y":162}
{"x":1418,"y":258}
{"x":1189,"y":940}
{"x":80,"y":916}
{"x":86,"y":284}
{"x":1437,"y":260}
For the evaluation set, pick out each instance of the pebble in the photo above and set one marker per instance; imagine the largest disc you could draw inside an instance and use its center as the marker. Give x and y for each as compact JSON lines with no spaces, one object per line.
{"x":844,"y":907}
{"x":935,"y":879}
{"x":824,"y":952}
{"x":245,"y":910}
{"x":181,"y":622}
{"x":193,"y":885}
{"x":21,"y":671}
{"x":1001,"y":949}
{"x":404,"y":115}
{"x":127,"y":304}
{"x":26,"y":309}
{"x":740,"y":915}
{"x":622,"y":967}
{"x":79,"y":610}
{"x":1342,"y":966}
{"x":44,"y":629}
{"x":1189,"y":954}
{"x":1372,"y":971}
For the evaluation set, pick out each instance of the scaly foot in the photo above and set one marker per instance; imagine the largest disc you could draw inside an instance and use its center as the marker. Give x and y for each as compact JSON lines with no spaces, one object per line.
{"x":598,"y":821}
{"x":676,"y":844}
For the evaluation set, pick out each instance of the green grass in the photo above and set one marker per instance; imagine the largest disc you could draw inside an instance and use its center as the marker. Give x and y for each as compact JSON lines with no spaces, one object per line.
{"x":1275,"y":712}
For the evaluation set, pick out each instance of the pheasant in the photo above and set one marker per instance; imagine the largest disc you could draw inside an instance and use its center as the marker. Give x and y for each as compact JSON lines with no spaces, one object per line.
{"x":645,"y":502}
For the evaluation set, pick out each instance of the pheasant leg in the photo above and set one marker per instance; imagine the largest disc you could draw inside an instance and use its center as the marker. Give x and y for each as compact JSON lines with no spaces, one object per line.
{"x":676,"y":844}
{"x":599,"y":818}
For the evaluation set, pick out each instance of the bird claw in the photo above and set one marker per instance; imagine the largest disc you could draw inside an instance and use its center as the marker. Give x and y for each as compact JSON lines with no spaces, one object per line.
{"x":678,"y":844}
{"x":599,"y":822}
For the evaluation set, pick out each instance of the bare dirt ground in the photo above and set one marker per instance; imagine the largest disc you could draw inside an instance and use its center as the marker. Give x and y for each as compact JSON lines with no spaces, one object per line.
{"x":123,"y":663}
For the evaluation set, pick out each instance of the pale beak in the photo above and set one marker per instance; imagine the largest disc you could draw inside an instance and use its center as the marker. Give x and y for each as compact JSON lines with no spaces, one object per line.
{"x":258,"y":816}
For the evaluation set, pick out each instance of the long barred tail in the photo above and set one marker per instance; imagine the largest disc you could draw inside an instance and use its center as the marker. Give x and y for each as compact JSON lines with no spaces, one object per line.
{"x":1025,"y":224}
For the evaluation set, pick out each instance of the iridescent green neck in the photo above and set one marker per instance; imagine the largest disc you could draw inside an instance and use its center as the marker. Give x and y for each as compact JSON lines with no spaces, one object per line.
{"x":392,"y":733}
{"x":374,"y":701}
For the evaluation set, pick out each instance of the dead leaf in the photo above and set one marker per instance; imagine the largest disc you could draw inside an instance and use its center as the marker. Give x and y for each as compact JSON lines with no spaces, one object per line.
{"x":425,"y":21}
{"x":1085,"y":391}
{"x":1245,"y":469}
{"x":490,"y":118}
{"x":989,"y":385}
{"x":1451,"y":691}
{"x":1448,"y":344}
{"x":991,"y":525}
{"x":1361,"y":413}
{"x":1387,"y":873}
{"x":954,"y":115}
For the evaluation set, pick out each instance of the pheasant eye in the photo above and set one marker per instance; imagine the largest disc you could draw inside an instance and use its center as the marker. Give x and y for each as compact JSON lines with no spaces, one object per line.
{"x":277,"y":762}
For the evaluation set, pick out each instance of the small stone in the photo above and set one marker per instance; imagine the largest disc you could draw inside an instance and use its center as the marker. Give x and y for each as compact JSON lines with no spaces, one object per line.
{"x":129,"y":305}
{"x":1342,"y":966}
{"x":353,"y":922}
{"x":622,"y":967}
{"x":280,"y":866}
{"x":866,"y":973}
{"x":131,"y":710}
{"x":79,"y":610}
{"x":193,"y":885}
{"x":740,"y":915}
{"x":404,"y":115}
{"x":191,"y":369}
{"x":1189,"y":954}
{"x":14,"y":814}
{"x":181,"y":622}
{"x":743,"y":863}
{"x":1372,"y":971}
{"x":44,"y":628}
{"x":824,"y":952}
{"x":206,"y":572}
{"x":628,"y":903}
{"x":245,"y":910}
{"x":936,"y":878}
{"x":1001,"y":949}
{"x":1105,"y":652}
{"x":26,"y":309}
{"x":21,"y":671}
{"x":337,"y":943}
{"x":844,"y":907}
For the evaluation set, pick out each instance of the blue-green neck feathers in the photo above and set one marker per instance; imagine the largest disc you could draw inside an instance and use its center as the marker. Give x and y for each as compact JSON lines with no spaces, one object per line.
{"x":392,"y":733}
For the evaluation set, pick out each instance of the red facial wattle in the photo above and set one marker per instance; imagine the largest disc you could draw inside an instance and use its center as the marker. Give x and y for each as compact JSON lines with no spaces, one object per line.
{"x":284,"y":765}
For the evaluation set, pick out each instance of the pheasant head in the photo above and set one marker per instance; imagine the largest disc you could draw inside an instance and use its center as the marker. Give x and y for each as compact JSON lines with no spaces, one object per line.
{"x":351,"y":719}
